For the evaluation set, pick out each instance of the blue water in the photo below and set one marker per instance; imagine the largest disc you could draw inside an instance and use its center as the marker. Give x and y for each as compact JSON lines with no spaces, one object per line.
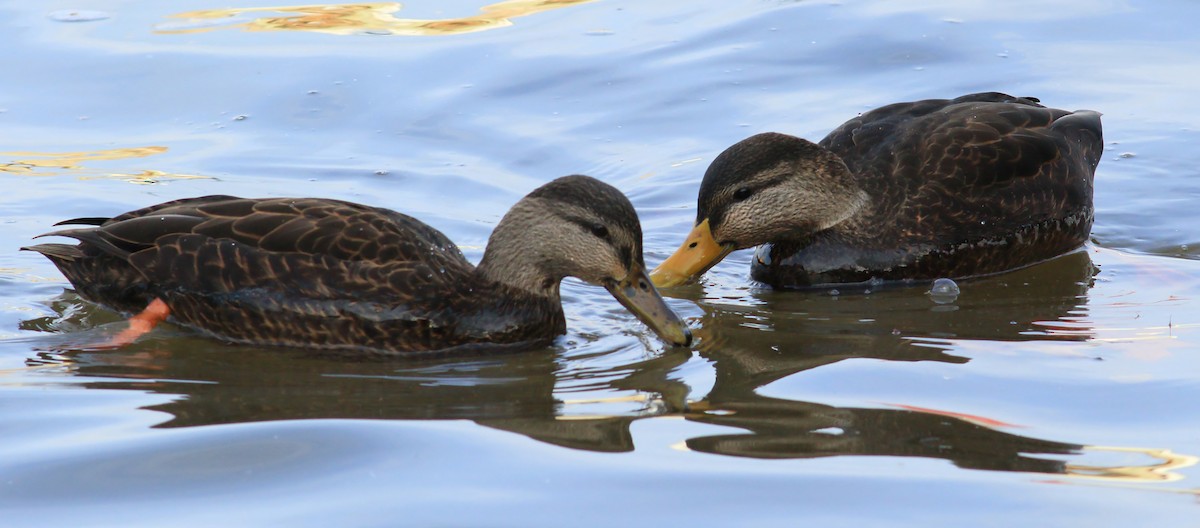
{"x":1061,"y":395}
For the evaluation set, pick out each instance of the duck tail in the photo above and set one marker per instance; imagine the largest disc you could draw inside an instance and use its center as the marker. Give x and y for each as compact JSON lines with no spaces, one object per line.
{"x":1083,"y":128}
{"x":89,"y":220}
{"x":57,"y":252}
{"x":91,"y":236}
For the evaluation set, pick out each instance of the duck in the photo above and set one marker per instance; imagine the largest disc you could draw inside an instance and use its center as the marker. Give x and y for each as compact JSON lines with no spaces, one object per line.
{"x":905,"y":193}
{"x":335,"y":275}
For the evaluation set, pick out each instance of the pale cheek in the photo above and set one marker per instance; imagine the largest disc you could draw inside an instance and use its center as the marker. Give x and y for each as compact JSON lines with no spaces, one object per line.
{"x":758,"y":221}
{"x":740,"y":225}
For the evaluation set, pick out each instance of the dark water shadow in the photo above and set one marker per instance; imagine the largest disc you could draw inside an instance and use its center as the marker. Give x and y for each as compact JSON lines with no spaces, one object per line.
{"x":778,"y":429}
{"x":218,"y":383}
{"x":786,"y":332}
{"x":748,"y":347}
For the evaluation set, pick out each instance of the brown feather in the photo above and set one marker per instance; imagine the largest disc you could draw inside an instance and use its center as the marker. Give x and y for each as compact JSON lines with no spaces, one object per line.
{"x":971,"y":186}
{"x":301,"y":272}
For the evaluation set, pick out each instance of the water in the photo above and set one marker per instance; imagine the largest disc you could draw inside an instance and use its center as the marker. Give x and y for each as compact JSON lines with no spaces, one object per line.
{"x":1060,"y":395}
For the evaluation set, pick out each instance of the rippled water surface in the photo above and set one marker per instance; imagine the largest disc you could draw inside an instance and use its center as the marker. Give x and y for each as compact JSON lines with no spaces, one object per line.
{"x":1066,"y":394}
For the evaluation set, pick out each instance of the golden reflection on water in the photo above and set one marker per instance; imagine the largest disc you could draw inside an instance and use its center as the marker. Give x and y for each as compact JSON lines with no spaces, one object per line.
{"x":43,"y":164}
{"x":1161,"y":472}
{"x":375,"y":18}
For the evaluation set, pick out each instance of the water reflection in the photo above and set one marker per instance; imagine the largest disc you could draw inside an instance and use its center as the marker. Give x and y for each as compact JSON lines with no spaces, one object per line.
{"x":788,"y":332}
{"x":794,"y":429}
{"x":218,"y":384}
{"x":63,"y":163}
{"x":746,"y":347}
{"x":365,"y":18}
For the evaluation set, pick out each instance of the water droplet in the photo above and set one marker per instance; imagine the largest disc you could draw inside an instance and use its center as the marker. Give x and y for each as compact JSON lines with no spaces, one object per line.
{"x":944,"y":291}
{"x":1127,"y":155}
{"x":240,"y":117}
{"x":76,"y":15}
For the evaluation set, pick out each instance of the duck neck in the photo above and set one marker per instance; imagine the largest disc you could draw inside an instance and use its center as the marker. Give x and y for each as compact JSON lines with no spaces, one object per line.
{"x":513,"y":274}
{"x":512,"y":256}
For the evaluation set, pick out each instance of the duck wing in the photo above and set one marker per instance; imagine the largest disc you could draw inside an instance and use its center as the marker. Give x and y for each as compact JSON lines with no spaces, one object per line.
{"x":291,"y":254}
{"x":967,"y":169}
{"x":313,"y":226}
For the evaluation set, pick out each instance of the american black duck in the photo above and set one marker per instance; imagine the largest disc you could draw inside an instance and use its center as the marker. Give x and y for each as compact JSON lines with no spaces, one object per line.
{"x":971,"y":186}
{"x":329,"y":274}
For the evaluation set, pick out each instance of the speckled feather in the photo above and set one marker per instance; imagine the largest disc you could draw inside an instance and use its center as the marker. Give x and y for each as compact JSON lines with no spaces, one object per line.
{"x":971,"y":186}
{"x":303,"y":272}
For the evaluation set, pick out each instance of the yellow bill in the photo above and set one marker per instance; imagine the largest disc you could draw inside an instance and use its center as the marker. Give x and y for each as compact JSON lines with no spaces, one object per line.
{"x":698,"y":253}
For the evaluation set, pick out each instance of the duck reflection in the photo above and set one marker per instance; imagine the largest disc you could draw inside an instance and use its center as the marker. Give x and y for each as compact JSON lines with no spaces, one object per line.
{"x":794,"y":429}
{"x":524,"y":393}
{"x":790,"y":331}
{"x":218,"y":383}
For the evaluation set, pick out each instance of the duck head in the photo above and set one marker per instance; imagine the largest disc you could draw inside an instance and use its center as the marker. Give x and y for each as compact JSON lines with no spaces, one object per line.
{"x":766,"y":188}
{"x":578,"y":226}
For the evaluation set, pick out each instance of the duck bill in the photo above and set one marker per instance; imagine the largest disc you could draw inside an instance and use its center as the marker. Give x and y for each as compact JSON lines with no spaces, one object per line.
{"x":699,"y":252}
{"x":638,"y":295}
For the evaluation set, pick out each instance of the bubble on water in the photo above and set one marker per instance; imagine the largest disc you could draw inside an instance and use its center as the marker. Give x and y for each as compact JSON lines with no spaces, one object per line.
{"x":77,"y":15}
{"x":240,"y":117}
{"x":1127,"y":155}
{"x":944,"y":291}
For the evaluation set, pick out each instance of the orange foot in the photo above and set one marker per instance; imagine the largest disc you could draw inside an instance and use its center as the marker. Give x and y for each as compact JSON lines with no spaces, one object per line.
{"x":139,"y":324}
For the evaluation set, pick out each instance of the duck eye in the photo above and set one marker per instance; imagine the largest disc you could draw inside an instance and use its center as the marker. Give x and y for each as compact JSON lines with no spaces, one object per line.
{"x":742,"y":193}
{"x":599,"y":230}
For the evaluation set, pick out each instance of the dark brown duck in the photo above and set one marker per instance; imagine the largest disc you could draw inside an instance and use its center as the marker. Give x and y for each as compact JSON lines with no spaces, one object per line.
{"x":329,"y":274}
{"x":977,"y":185}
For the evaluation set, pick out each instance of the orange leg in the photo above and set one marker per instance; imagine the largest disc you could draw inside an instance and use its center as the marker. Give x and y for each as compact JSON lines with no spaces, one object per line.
{"x":140,"y":324}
